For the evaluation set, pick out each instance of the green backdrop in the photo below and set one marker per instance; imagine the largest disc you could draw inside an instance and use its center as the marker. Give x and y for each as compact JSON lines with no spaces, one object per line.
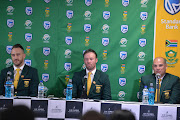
{"x":53,"y":64}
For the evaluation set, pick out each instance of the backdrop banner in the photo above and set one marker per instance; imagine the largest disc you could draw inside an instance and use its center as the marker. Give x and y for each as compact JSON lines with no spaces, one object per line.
{"x":55,"y":33}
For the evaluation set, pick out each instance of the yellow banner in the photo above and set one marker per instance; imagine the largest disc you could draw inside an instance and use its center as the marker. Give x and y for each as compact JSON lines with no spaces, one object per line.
{"x":167,"y":37}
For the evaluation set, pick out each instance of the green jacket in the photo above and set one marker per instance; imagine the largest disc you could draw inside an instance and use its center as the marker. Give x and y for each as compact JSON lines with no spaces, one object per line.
{"x":169,"y":91}
{"x":28,"y":81}
{"x":100,"y":87}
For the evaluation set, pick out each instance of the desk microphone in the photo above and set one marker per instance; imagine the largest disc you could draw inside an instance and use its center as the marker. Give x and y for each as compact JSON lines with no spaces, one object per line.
{"x":84,"y":94}
{"x":9,"y":75}
{"x":158,"y":75}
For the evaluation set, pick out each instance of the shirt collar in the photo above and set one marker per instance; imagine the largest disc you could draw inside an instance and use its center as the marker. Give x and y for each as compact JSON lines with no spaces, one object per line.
{"x":92,"y":72}
{"x":20,"y":67}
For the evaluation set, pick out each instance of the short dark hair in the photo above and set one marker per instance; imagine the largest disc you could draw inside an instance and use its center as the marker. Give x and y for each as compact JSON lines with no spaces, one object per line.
{"x":93,"y":115}
{"x":122,"y":115}
{"x":90,"y":50}
{"x":19,"y":112}
{"x":18,"y":46}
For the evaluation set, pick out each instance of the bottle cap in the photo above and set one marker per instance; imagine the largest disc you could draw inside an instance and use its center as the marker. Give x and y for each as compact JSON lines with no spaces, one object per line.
{"x":41,"y":81}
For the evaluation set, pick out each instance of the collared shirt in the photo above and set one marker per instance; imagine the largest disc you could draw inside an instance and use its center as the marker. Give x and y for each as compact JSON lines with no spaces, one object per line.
{"x":162,"y":78}
{"x":92,"y":73}
{"x":19,"y":71}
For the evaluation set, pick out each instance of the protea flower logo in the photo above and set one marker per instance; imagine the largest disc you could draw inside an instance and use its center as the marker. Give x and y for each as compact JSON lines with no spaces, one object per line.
{"x":172,"y":6}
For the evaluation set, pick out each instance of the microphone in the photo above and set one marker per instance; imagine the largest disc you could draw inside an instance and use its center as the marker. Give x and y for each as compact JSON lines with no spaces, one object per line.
{"x":84,"y":80}
{"x":158,"y":75}
{"x":8,"y":75}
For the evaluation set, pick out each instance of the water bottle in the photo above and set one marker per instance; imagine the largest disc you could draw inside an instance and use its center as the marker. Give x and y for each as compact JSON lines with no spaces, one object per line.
{"x":145,"y":95}
{"x":151,"y":94}
{"x":7,"y":89}
{"x":69,"y":90}
{"x":41,"y":90}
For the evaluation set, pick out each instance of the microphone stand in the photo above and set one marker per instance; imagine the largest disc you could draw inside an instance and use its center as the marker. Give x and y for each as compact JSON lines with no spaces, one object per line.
{"x":84,"y":94}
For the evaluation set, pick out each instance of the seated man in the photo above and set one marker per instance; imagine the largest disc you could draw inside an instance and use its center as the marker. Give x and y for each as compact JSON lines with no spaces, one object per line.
{"x":91,"y":83}
{"x":25,"y":77}
{"x":169,"y":84}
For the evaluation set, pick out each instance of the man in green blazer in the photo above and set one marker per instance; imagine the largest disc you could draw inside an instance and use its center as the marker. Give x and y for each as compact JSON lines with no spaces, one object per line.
{"x":100,"y":85}
{"x":27,"y":84}
{"x":170,"y":84}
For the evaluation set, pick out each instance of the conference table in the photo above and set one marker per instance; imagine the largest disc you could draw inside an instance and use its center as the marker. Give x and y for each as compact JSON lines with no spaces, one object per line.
{"x":61,"y":109}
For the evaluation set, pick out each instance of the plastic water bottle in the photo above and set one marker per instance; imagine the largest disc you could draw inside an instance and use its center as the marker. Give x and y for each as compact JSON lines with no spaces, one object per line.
{"x":69,"y":90}
{"x":145,"y":95}
{"x":7,"y":89}
{"x":151,"y":94}
{"x":41,"y":90}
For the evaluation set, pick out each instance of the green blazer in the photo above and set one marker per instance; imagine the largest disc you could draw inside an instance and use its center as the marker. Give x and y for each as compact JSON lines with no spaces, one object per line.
{"x":28,"y":81}
{"x":100,"y":87}
{"x":169,"y":91}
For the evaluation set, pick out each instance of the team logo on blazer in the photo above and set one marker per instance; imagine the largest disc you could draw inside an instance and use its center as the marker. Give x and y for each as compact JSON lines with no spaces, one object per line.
{"x":69,"y":14}
{"x":105,"y":41}
{"x":67,"y":66}
{"x":26,"y":83}
{"x":45,"y":77}
{"x":98,"y":88}
{"x":29,"y":10}
{"x":46,"y":51}
{"x":104,"y":67}
{"x":47,"y":24}
{"x":142,"y":42}
{"x":106,"y":15}
{"x":68,"y":40}
{"x":47,"y":1}
{"x":172,"y":6}
{"x":87,"y":27}
{"x":8,"y":49}
{"x":88,"y":2}
{"x":123,"y":55}
{"x":10,"y":23}
{"x":124,"y":28}
{"x":141,"y":69}
{"x":166,"y":94}
{"x":28,"y":37}
{"x":122,"y":81}
{"x":27,"y":62}
{"x":125,"y":3}
{"x":144,"y":15}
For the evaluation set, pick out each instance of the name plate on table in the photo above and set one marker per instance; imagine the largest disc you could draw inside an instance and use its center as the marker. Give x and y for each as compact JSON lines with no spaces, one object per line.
{"x":108,"y":108}
{"x":167,"y":113}
{"x":148,"y":112}
{"x":5,"y":103}
{"x":56,"y":109}
{"x":73,"y":109}
{"x":39,"y":107}
{"x":91,"y":106}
